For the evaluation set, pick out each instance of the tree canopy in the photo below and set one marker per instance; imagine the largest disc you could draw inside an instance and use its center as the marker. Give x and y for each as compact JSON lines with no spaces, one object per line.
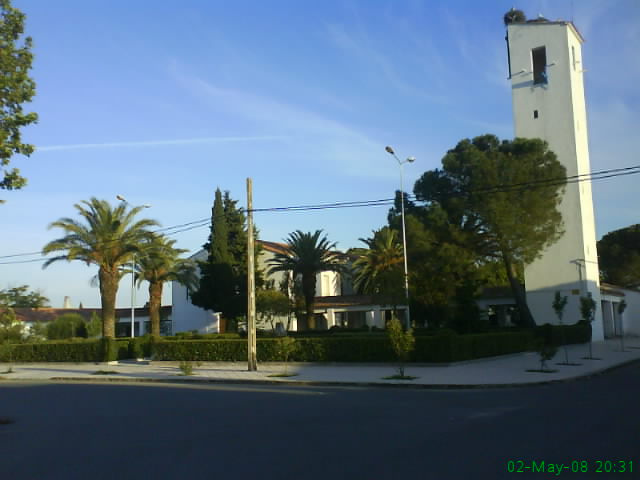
{"x":16,"y":88}
{"x":108,"y":238}
{"x":21,"y":297}
{"x":307,"y":255}
{"x":619,"y":257}
{"x":158,"y":263}
{"x":378,"y":268}
{"x":501,"y":199}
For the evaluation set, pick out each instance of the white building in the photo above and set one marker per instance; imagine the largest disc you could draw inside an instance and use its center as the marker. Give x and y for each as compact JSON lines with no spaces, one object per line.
{"x":335,"y":302}
{"x":545,"y":64}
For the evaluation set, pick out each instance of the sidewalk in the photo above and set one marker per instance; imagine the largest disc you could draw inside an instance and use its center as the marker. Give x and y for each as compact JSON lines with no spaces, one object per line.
{"x":491,"y":372}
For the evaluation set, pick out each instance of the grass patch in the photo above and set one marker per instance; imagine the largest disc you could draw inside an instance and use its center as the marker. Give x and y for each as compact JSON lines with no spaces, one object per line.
{"x":539,"y":370}
{"x":105,"y":372}
{"x":399,"y":377}
{"x":278,"y":375}
{"x":8,"y":370}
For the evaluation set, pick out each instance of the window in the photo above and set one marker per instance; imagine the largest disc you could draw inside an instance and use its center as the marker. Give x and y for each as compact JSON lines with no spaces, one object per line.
{"x":535,"y":114}
{"x":573,"y":57}
{"x":539,"y":60}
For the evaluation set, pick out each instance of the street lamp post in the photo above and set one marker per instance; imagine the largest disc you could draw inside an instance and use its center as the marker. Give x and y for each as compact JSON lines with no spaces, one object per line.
{"x":133,"y":276}
{"x":404,"y":235}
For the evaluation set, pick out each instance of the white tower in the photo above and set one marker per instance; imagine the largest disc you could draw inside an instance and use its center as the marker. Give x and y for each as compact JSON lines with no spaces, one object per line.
{"x":545,"y":61}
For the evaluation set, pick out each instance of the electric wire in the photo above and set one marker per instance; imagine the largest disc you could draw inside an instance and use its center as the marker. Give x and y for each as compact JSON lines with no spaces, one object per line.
{"x":184,"y":227}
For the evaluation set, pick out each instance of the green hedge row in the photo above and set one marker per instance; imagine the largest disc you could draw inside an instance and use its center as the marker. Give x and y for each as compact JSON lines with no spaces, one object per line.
{"x":564,"y":334}
{"x":445,"y":346}
{"x":61,"y":351}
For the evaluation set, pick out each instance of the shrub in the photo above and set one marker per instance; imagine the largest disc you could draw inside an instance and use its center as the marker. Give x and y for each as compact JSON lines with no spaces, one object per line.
{"x":58,"y":351}
{"x":69,"y":325}
{"x":403,"y":343}
{"x":134,"y":349}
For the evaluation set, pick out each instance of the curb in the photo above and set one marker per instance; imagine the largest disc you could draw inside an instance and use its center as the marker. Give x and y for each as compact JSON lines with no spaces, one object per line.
{"x":312,"y":383}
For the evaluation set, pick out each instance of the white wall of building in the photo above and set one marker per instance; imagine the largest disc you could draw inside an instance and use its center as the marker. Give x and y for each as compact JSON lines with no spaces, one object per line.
{"x":631,"y":315}
{"x":185,"y":315}
{"x":571,"y":264}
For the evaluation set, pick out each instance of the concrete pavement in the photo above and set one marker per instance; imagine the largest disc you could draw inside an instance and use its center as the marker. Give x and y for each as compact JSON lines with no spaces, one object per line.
{"x":491,"y":372}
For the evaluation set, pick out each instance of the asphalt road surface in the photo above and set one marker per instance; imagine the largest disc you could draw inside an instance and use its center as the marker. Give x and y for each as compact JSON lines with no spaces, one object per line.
{"x":99,"y":431}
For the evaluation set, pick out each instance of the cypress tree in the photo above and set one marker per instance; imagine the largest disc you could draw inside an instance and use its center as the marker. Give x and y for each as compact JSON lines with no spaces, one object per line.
{"x":223,"y":280}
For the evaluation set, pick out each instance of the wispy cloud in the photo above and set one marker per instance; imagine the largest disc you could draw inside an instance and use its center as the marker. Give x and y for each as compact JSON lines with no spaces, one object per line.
{"x":158,"y":143}
{"x":316,"y":136}
{"x":359,"y":46}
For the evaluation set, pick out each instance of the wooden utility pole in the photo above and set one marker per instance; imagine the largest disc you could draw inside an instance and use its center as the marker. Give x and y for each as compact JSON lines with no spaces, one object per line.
{"x":251,"y":284}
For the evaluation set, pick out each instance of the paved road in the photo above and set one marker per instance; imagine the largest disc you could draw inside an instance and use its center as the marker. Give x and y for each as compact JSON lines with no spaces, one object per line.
{"x":75,"y":431}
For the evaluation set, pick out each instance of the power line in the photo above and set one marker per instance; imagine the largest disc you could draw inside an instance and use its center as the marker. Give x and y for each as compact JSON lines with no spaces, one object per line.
{"x":184,"y":227}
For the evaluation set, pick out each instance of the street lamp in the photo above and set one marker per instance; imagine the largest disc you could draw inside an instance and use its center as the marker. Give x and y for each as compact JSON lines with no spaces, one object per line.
{"x":404,"y":235}
{"x":133,"y":276}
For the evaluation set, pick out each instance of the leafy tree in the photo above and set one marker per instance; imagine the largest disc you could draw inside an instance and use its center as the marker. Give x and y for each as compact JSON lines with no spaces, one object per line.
{"x":10,"y":327}
{"x":160,"y":263}
{"x":286,"y":346}
{"x":622,"y":306}
{"x":588,"y":311}
{"x":546,"y":351}
{"x":108,"y":238}
{"x":502,"y":198}
{"x":68,"y":325}
{"x":21,"y":297}
{"x":270,"y":304}
{"x":94,"y":326}
{"x":16,"y":88}
{"x":445,"y":274}
{"x":223,"y":276}
{"x":379,"y":268}
{"x":307,"y":255}
{"x":403,"y":343}
{"x":619,"y":257}
{"x":559,"y":304}
{"x":291,"y":287}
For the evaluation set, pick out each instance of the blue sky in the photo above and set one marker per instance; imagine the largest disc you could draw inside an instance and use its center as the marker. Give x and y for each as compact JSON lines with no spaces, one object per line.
{"x":162,"y":102}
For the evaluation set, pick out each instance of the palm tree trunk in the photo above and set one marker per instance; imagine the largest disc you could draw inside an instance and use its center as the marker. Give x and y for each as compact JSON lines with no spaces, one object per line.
{"x":518,"y":293}
{"x":309,"y":290}
{"x":155,"y":300}
{"x":108,"y":291}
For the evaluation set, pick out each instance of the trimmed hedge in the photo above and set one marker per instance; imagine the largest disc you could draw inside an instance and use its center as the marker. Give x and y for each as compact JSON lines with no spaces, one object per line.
{"x":366,"y":348}
{"x":441,"y":346}
{"x":564,"y":334}
{"x":58,"y":351}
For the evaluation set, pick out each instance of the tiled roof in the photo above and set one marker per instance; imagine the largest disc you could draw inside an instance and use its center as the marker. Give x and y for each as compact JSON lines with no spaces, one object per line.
{"x":274,"y":247}
{"x":611,"y":290}
{"x":344,"y":301}
{"x":49,"y":314}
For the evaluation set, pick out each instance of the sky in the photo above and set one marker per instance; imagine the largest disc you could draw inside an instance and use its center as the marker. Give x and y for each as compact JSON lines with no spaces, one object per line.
{"x":163,"y":102}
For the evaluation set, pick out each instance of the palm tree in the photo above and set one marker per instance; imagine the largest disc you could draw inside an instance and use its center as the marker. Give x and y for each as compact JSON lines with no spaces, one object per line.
{"x":108,"y":238}
{"x":378,"y":268}
{"x":159,"y":263}
{"x":306,"y":255}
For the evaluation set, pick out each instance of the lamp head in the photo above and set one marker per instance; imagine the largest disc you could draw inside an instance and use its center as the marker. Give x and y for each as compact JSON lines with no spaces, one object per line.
{"x":121,"y":198}
{"x":411,"y":159}
{"x":389,"y":150}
